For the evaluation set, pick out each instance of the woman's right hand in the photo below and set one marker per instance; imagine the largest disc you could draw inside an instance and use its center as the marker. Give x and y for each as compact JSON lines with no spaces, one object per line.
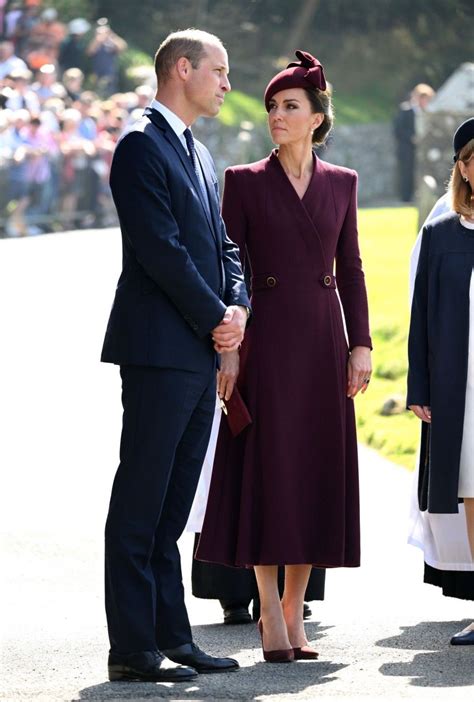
{"x":423,"y":413}
{"x":227,"y":375}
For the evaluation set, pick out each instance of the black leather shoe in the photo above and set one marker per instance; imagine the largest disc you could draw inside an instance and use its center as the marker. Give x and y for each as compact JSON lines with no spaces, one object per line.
{"x":306,"y":611}
{"x":147,"y":666}
{"x":191,"y":655}
{"x":237,"y":615}
{"x":463,"y":638}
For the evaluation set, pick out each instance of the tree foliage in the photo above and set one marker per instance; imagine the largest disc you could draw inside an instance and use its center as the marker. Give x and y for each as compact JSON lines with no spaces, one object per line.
{"x":371,"y":50}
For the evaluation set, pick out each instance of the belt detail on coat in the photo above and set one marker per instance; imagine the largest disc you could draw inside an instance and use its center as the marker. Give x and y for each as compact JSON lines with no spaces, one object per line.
{"x":267,"y":282}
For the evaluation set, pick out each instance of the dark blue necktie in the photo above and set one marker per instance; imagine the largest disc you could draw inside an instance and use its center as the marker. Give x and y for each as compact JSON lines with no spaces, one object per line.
{"x":188,"y":135}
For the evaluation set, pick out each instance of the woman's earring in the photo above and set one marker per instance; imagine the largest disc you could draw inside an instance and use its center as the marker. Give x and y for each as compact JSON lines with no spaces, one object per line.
{"x":465,"y":179}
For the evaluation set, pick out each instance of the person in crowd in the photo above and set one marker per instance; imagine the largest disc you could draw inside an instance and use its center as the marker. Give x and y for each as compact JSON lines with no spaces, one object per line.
{"x":284,"y":492}
{"x":47,"y":34}
{"x":29,"y":18}
{"x":104,"y":51}
{"x":12,"y":15}
{"x":51,"y":112}
{"x":9,"y":61}
{"x":442,"y":338}
{"x":85,"y":104}
{"x":76,"y":153}
{"x":47,"y":85}
{"x":144,"y":94}
{"x":101,"y":203}
{"x":72,"y":52}
{"x":22,"y":97}
{"x":42,"y":149}
{"x":15,"y":143}
{"x":73,"y":80}
{"x":405,"y":133}
{"x":180,"y":299}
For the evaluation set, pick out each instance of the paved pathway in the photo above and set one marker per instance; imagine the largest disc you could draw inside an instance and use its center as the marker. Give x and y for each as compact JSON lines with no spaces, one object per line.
{"x":381,"y":632}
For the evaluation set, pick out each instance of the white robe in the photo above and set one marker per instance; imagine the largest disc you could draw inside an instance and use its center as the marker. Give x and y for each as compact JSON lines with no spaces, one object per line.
{"x":442,"y":537}
{"x":198,"y":509}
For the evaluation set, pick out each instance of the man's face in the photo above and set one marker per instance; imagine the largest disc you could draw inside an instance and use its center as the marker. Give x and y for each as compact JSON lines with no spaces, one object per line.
{"x":6,"y":50}
{"x":209,"y":82}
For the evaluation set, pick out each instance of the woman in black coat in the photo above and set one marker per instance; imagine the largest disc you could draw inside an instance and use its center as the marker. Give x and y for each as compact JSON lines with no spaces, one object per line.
{"x":441,"y":358}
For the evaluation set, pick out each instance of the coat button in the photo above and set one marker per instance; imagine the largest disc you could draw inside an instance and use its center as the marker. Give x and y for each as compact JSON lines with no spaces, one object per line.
{"x":327,"y":280}
{"x":271,"y":281}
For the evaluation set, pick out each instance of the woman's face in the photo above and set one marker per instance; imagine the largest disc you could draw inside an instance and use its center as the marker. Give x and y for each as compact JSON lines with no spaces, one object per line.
{"x":290,"y":118}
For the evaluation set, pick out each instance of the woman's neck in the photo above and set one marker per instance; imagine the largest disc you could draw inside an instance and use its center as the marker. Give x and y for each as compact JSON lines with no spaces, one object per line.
{"x":296,"y":159}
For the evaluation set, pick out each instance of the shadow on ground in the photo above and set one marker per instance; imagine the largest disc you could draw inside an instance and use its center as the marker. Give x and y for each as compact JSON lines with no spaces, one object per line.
{"x":252,"y":681}
{"x":442,"y":665}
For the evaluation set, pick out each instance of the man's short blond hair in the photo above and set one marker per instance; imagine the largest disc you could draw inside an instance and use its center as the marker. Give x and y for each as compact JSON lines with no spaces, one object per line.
{"x":188,"y":43}
{"x":423,"y":90}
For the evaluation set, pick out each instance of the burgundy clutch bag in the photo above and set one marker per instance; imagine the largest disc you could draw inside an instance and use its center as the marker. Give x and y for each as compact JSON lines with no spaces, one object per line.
{"x":235,"y":409}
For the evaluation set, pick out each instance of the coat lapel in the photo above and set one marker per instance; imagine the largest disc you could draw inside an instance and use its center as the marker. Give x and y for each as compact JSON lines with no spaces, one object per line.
{"x":170,"y":135}
{"x":212,"y":194}
{"x":288,"y":195}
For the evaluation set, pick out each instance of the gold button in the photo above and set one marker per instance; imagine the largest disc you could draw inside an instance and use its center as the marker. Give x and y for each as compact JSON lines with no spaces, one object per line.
{"x":271,"y":281}
{"x":327,"y":280}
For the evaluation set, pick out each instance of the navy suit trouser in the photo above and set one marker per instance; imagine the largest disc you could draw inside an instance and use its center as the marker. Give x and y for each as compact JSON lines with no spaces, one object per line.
{"x":167,"y":419}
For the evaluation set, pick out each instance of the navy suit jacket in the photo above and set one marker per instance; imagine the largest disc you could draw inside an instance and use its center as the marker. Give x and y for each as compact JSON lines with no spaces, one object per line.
{"x":180,"y":270}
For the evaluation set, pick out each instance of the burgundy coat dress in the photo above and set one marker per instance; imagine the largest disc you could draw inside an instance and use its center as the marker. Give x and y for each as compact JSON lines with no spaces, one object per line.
{"x":285,"y":491}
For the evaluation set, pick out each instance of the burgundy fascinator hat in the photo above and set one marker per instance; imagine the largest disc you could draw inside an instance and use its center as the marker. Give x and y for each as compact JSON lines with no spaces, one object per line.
{"x":305,"y":73}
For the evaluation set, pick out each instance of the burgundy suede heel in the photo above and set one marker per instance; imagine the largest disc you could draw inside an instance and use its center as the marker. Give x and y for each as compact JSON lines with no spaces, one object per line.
{"x":305,"y":653}
{"x":285,"y":655}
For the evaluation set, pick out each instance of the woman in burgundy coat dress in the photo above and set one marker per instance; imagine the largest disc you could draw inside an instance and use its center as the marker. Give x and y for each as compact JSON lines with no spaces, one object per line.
{"x":285,"y":491}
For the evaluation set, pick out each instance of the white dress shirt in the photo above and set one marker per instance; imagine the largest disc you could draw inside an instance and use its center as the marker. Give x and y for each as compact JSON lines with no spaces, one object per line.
{"x":175,"y":122}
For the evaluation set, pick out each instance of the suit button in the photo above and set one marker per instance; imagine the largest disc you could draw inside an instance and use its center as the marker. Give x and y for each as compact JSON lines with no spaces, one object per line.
{"x":327,"y":280}
{"x":271,"y":281}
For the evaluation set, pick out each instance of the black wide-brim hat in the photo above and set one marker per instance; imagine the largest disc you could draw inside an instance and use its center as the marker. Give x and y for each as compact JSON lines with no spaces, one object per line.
{"x":463,"y":134}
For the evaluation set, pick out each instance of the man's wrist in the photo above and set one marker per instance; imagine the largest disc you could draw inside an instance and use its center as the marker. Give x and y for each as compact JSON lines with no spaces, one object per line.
{"x":246,"y":310}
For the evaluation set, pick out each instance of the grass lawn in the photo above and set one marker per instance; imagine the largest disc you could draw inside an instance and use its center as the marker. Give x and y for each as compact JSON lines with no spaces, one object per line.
{"x":239,"y":106}
{"x":386,"y":239}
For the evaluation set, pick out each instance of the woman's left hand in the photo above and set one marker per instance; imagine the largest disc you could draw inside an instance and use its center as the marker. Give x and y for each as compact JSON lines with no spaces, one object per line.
{"x":359,"y":370}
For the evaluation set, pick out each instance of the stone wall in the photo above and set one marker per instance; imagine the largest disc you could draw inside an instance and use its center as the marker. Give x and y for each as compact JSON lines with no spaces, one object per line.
{"x":368,"y":148}
{"x":435,"y":156}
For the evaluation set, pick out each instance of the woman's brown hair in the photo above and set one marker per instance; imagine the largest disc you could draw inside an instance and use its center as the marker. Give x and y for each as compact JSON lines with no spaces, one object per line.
{"x":320,"y":101}
{"x":460,"y":190}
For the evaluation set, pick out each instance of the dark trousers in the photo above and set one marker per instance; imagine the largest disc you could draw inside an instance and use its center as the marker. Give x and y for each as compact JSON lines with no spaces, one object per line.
{"x":167,"y":421}
{"x":406,"y":171}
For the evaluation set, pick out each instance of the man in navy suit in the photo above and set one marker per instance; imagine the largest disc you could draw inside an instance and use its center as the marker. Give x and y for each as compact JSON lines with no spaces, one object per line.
{"x":180,"y":300}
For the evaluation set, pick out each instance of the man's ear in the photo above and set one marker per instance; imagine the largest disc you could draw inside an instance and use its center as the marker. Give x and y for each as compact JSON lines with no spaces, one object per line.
{"x":183,"y":68}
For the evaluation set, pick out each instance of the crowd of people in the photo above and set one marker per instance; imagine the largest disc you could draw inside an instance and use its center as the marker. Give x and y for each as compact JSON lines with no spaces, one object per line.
{"x":60,"y":118}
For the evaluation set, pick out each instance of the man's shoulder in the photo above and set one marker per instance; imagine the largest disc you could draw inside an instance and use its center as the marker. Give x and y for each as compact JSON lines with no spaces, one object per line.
{"x":140,"y":126}
{"x":141,"y":138}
